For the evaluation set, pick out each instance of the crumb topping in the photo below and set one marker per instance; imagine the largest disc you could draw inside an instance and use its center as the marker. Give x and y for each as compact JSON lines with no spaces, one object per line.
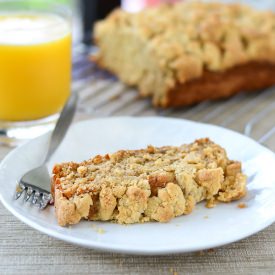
{"x":187,"y":38}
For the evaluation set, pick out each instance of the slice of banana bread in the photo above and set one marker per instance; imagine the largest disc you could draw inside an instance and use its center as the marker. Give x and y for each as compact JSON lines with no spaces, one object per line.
{"x":187,"y":52}
{"x":153,"y":184}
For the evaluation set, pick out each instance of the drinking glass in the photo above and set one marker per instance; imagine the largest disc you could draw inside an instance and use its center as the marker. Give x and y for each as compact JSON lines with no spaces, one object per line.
{"x":35,"y":66}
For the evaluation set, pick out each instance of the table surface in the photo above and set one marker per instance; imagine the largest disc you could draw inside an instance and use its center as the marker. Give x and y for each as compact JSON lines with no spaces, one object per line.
{"x":26,"y":251}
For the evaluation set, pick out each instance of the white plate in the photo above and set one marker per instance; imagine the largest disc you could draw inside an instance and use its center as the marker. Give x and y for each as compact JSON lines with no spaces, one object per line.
{"x":202,"y":229}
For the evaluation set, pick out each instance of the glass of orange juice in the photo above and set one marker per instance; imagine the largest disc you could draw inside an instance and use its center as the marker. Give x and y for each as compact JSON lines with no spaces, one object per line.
{"x":35,"y":67}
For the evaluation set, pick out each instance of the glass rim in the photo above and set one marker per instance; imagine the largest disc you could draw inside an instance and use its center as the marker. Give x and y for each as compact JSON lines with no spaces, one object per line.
{"x":52,"y":8}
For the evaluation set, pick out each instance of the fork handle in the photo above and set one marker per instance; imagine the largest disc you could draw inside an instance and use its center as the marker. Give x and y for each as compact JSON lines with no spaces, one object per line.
{"x":62,"y":124}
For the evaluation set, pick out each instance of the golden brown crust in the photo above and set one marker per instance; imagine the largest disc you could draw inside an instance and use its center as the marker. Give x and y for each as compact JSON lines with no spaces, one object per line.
{"x":184,"y":53}
{"x":216,"y":85}
{"x":142,"y":185}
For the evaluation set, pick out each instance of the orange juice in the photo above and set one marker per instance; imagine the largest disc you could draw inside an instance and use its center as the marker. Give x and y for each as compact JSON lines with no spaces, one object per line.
{"x":35,"y":65}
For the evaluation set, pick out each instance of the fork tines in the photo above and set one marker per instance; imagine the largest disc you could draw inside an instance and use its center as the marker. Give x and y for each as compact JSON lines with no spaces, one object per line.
{"x":33,"y":194}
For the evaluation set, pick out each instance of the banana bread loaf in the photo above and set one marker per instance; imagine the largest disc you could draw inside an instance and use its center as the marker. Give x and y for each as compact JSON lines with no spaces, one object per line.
{"x":186,"y":52}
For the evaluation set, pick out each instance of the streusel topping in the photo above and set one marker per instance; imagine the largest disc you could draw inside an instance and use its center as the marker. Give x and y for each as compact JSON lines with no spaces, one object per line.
{"x":189,"y":37}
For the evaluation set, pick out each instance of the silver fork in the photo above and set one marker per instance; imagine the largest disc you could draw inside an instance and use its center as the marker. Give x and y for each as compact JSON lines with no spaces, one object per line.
{"x":36,"y":183}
